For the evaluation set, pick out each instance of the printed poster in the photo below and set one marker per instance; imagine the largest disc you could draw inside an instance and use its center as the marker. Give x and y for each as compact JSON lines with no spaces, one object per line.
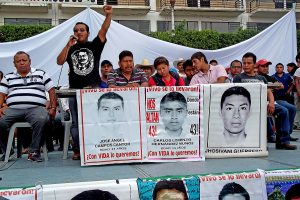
{"x":236,"y":120}
{"x":283,"y":184}
{"x":173,"y":124}
{"x":246,"y":186}
{"x":32,"y":193}
{"x":179,"y":188}
{"x":111,"y":125}
{"x":124,"y":189}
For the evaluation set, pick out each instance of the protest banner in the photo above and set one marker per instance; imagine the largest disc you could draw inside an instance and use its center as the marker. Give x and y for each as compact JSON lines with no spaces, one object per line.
{"x":180,"y":188}
{"x":283,"y":184}
{"x":111,"y":125}
{"x":124,"y":189}
{"x":173,"y":124}
{"x":235,"y":120}
{"x":31,"y":193}
{"x":250,"y":185}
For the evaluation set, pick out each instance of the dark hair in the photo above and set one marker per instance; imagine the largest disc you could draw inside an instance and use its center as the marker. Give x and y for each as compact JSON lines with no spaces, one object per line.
{"x":187,"y":63}
{"x":95,"y":195}
{"x":124,"y":54}
{"x":170,"y":184}
{"x":173,"y":96}
{"x":1,"y":75}
{"x":250,"y":55}
{"x":21,"y":52}
{"x":213,"y":61}
{"x":86,"y":26}
{"x":279,"y":64}
{"x":110,"y":95}
{"x":160,"y":60}
{"x":294,"y":191}
{"x":295,"y":67}
{"x":234,"y":62}
{"x":106,"y":62}
{"x":233,"y":188}
{"x":297,"y":57}
{"x":199,"y":55}
{"x":236,"y":90}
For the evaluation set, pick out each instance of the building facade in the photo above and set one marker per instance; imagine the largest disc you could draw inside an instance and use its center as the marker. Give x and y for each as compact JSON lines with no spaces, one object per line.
{"x":147,"y":16}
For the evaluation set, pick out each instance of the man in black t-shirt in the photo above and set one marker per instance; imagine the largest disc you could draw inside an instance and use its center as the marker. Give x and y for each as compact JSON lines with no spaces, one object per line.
{"x":83,"y":57}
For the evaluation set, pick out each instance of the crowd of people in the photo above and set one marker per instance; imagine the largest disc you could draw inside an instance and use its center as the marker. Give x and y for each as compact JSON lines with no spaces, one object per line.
{"x":23,"y":92}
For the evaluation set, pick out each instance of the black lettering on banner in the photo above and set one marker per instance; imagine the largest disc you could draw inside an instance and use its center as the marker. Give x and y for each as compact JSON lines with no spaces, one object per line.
{"x":194,"y":129}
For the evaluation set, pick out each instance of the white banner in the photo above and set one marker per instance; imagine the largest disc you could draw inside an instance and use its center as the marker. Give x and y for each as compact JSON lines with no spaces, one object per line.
{"x":250,"y":185}
{"x":125,"y":189}
{"x":172,"y":123}
{"x":235,"y":120}
{"x":111,"y":125}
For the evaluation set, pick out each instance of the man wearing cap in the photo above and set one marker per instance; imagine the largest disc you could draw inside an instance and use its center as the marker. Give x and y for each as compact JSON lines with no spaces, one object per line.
{"x":106,"y":68}
{"x":178,"y":64}
{"x":263,"y":70}
{"x":146,"y":67}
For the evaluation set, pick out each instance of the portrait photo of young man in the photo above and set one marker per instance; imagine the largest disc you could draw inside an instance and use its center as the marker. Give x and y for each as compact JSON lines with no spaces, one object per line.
{"x":229,"y":119}
{"x":173,"y":112}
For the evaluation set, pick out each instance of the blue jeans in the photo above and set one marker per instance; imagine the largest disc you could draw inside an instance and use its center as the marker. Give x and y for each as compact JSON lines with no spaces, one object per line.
{"x":282,"y":124}
{"x":292,"y":112}
{"x":74,"y":127}
{"x":270,"y":132}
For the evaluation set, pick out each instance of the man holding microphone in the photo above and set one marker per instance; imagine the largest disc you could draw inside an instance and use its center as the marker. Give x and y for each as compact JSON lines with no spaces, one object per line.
{"x":78,"y":52}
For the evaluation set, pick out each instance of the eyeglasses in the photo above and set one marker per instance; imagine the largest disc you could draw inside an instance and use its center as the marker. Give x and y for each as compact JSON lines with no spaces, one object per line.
{"x":236,"y":67}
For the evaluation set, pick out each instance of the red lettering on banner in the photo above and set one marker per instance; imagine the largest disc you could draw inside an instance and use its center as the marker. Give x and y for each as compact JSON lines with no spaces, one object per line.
{"x":152,"y":153}
{"x":152,"y":117}
{"x":152,"y":131}
{"x":151,"y":104}
{"x":103,"y":155}
{"x":164,"y":153}
{"x":91,"y":156}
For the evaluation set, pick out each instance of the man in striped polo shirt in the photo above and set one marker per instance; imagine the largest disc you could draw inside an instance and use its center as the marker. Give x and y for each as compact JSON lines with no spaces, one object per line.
{"x":127,"y":75}
{"x":24,"y":91}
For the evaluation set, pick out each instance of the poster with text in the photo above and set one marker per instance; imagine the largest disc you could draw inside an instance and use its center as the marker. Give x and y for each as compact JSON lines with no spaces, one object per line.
{"x":283,"y":184}
{"x":236,"y":120}
{"x":173,"y":124}
{"x":179,"y":188}
{"x":32,"y":193}
{"x":250,"y":185}
{"x":111,"y":125}
{"x":124,"y":189}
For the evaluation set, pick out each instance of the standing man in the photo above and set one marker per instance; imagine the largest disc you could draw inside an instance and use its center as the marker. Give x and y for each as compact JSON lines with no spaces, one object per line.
{"x":249,"y":76}
{"x":235,"y":69}
{"x":83,"y":58}
{"x":207,"y":74}
{"x":106,"y":68}
{"x":127,"y":75}
{"x":26,"y":101}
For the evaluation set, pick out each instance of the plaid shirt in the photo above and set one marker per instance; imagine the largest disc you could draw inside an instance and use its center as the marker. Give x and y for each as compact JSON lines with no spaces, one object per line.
{"x":117,"y":78}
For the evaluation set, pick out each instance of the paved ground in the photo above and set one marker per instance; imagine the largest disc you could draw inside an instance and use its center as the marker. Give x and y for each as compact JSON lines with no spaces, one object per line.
{"x":21,"y":172}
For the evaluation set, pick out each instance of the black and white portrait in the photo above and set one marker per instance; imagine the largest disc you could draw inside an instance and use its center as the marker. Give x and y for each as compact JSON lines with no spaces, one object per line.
{"x":83,"y":61}
{"x":234,"y":117}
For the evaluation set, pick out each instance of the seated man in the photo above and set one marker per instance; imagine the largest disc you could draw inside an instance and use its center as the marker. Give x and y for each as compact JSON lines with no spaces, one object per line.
{"x":26,"y":100}
{"x":127,"y":75}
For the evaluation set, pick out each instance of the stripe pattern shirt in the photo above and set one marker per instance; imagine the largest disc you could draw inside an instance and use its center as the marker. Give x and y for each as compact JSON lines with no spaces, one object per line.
{"x":26,"y":92}
{"x":116,"y":77}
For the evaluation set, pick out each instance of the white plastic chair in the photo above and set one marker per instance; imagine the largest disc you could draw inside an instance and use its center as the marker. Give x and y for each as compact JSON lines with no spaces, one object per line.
{"x":11,"y":137}
{"x":67,"y":128}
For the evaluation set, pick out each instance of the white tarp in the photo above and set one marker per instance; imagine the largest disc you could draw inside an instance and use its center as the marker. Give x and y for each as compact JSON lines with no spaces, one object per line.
{"x":277,"y":43}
